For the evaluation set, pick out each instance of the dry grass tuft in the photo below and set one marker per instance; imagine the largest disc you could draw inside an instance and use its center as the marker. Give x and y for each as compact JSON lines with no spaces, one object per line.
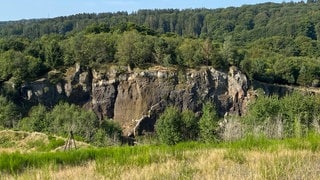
{"x":85,"y":172}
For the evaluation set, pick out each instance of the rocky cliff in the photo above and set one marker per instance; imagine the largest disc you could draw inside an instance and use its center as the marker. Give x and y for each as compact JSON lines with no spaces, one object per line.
{"x":136,"y":98}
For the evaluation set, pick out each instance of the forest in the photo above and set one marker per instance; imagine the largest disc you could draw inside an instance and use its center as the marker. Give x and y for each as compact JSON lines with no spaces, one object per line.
{"x":280,"y":40}
{"x":272,"y":43}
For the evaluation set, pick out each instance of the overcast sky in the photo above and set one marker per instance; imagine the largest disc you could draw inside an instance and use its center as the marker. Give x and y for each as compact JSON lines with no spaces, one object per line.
{"x":29,"y":9}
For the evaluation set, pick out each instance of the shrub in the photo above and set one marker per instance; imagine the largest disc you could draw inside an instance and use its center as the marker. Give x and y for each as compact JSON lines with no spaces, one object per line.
{"x":289,"y":116}
{"x":208,"y":123}
{"x":8,"y":113}
{"x":190,"y":128}
{"x":168,"y":126}
{"x":36,"y":121}
{"x":64,"y":118}
{"x":108,"y":134}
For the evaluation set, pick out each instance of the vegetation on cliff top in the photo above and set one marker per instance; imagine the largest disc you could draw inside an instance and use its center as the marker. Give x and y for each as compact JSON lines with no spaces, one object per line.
{"x":270,"y":42}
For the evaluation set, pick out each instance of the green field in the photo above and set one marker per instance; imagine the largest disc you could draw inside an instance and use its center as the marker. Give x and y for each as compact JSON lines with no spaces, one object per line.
{"x":250,"y":158}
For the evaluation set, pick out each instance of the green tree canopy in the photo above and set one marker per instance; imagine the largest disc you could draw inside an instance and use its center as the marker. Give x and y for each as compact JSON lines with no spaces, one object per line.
{"x":168,"y":126}
{"x":208,"y":123}
{"x":9,"y":114}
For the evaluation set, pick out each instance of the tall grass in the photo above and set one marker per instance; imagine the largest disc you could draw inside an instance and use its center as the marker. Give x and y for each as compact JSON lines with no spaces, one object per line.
{"x":141,"y":156}
{"x":310,"y":142}
{"x":17,"y":162}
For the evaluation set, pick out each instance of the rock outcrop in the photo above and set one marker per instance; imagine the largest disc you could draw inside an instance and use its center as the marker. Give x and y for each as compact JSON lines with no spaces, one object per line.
{"x":136,"y":98}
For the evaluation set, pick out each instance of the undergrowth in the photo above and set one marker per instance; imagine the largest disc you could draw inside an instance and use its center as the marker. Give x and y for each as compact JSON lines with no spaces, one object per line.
{"x":14,"y":163}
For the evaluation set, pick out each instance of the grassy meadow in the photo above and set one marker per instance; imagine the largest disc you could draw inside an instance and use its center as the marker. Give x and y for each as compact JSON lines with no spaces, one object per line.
{"x":249,"y":158}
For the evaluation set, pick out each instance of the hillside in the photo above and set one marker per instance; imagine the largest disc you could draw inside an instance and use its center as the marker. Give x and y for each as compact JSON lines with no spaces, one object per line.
{"x":266,"y":36}
{"x":248,"y":23}
{"x":117,"y":74}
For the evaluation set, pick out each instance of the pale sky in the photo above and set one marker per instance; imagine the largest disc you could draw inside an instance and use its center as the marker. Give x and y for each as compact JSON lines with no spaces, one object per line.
{"x":29,"y":9}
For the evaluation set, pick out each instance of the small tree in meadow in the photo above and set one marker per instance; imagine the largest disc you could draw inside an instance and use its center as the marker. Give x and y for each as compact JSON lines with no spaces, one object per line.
{"x":190,"y":128}
{"x":168,"y":126}
{"x":208,"y":123}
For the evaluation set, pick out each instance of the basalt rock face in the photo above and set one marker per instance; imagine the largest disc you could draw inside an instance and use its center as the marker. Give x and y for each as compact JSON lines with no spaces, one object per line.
{"x":43,"y":92}
{"x":75,"y":88}
{"x":136,"y":98}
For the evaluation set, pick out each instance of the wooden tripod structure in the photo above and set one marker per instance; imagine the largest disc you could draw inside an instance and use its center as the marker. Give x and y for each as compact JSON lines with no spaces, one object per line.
{"x":70,"y":142}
